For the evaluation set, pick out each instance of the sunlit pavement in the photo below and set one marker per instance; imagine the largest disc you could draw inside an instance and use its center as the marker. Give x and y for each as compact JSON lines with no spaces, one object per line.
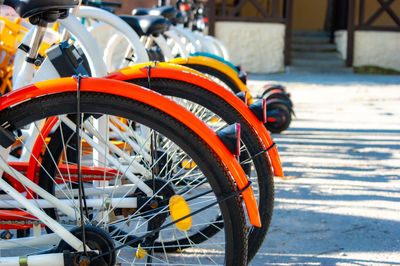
{"x":340,"y":202}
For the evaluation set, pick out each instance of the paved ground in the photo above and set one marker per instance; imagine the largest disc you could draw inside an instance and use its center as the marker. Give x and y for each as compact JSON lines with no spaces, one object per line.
{"x":340,"y":202}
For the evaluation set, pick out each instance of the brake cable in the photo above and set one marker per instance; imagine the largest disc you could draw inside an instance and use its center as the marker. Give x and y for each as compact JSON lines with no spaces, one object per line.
{"x":81,"y":191}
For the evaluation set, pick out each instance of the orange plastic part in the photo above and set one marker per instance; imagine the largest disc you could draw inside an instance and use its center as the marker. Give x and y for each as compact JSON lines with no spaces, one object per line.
{"x":154,"y":99}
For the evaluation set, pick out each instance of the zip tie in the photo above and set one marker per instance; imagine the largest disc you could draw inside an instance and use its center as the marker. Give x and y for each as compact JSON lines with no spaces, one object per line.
{"x":149,"y":74}
{"x":149,"y":77}
{"x":263,"y":151}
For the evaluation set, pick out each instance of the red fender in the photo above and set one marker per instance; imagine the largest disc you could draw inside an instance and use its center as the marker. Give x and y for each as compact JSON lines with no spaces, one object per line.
{"x":151,"y":98}
{"x":37,"y":148}
{"x":167,"y":70}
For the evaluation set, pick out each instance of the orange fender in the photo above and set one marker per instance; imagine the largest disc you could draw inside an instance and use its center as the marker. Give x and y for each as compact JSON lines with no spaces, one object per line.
{"x":153,"y":99}
{"x":177,"y":72}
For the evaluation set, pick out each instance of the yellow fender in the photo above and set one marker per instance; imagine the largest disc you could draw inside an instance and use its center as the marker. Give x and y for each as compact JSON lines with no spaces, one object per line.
{"x":218,"y":65}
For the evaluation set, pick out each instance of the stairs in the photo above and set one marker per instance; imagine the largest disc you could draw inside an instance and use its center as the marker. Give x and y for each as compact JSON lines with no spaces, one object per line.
{"x":312,"y":53}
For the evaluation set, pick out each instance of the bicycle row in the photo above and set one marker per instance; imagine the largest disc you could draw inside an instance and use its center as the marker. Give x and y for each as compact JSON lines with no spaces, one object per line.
{"x":154,"y":163}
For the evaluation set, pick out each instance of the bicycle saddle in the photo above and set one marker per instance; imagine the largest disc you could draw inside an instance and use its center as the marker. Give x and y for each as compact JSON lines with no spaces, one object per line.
{"x":147,"y":25}
{"x":168,"y":12}
{"x":178,"y":19}
{"x":29,"y":8}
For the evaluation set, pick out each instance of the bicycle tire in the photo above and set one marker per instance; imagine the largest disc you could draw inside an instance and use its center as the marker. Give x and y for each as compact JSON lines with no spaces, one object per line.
{"x":283,"y":115}
{"x":205,"y":158}
{"x":223,"y":109}
{"x":229,"y":83}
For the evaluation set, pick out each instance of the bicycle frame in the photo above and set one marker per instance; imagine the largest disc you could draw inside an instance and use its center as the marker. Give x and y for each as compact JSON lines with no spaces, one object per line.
{"x":117,"y":23}
{"x":192,"y":45}
{"x":86,"y":41}
{"x":223,"y":52}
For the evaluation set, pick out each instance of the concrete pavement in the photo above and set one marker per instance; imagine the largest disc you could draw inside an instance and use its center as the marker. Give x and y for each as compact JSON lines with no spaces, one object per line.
{"x":340,"y":202}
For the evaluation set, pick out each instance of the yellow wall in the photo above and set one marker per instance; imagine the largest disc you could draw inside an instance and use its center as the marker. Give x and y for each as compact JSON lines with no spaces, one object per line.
{"x":371,"y":6}
{"x":309,"y":14}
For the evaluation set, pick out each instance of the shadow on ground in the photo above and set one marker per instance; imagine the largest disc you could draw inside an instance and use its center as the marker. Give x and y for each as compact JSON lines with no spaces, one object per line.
{"x":342,"y":202}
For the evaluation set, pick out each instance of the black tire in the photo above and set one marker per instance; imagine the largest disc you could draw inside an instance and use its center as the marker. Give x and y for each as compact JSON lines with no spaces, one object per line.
{"x":277,"y":95}
{"x":251,"y":141}
{"x":217,"y":74}
{"x":282,"y":116}
{"x":100,"y":103}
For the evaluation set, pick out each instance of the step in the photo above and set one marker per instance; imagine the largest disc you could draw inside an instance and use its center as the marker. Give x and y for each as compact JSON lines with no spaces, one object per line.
{"x":316,"y":55}
{"x":327,"y":47}
{"x":306,"y":33}
{"x":310,"y":40}
{"x":318,"y":70}
{"x":317,"y":63}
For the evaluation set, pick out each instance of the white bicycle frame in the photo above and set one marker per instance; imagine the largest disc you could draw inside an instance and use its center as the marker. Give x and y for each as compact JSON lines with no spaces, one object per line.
{"x":223,"y":51}
{"x":44,"y":73}
{"x":86,"y":42}
{"x":27,"y":74}
{"x":180,"y":41}
{"x":107,"y":19}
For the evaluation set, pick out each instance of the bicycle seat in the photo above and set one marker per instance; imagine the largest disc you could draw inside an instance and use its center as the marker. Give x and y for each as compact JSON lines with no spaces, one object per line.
{"x":147,"y":25}
{"x":178,"y":19}
{"x":29,"y":8}
{"x":140,"y":11}
{"x":168,"y":12}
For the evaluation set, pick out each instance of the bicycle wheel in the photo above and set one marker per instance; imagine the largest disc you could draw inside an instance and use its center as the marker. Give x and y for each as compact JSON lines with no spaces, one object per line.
{"x":108,"y":181}
{"x":211,"y":108}
{"x":283,"y":113}
{"x":279,"y":117}
{"x":220,"y":76}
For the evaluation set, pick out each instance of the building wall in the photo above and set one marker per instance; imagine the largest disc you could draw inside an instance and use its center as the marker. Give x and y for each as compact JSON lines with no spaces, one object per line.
{"x":371,"y":6}
{"x":128,"y":5}
{"x":372,"y":48}
{"x":309,"y":14}
{"x":258,"y":47}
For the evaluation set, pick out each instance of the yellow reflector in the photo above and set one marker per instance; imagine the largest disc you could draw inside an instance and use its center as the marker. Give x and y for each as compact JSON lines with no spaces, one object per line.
{"x":188,"y":164}
{"x":140,"y":252}
{"x":214,"y":119}
{"x":178,"y":208}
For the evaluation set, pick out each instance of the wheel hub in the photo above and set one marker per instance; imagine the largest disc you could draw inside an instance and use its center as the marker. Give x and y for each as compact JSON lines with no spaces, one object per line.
{"x":98,"y":240}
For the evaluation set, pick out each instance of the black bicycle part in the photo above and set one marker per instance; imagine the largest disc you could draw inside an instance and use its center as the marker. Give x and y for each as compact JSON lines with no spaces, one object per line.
{"x":278,"y":116}
{"x":97,"y":240}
